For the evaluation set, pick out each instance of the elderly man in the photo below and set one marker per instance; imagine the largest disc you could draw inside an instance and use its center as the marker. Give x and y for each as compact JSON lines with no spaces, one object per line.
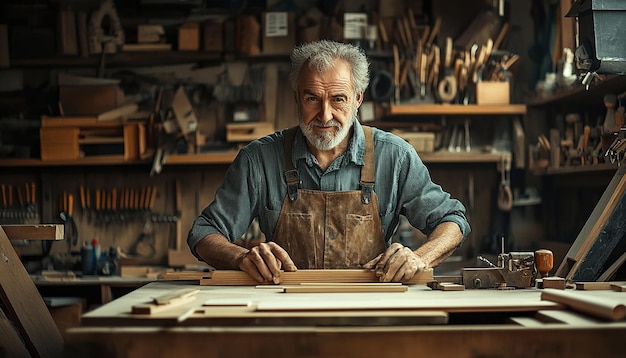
{"x":329,"y":192}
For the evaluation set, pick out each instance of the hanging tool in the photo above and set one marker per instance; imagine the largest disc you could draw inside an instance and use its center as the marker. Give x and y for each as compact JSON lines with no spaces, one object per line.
{"x":69,"y":225}
{"x":505,"y":196}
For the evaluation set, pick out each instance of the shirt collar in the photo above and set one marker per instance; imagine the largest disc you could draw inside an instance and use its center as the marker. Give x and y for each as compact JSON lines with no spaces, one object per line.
{"x":355,"y":152}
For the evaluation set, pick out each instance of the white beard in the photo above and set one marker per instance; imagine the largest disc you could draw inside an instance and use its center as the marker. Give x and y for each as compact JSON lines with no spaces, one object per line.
{"x":326,"y":140}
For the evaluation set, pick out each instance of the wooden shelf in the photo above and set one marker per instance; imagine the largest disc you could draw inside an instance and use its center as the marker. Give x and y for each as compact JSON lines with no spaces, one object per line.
{"x":148,"y":58}
{"x":227,"y":157}
{"x":94,"y":160}
{"x":611,"y":84}
{"x":443,"y":156}
{"x":581,"y":169}
{"x":221,"y":157}
{"x":457,"y":109}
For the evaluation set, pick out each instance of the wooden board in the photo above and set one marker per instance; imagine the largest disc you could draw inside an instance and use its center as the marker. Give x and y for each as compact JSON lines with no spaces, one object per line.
{"x":343,"y":288}
{"x":610,"y":305}
{"x":34,"y":232}
{"x":271,"y":306}
{"x":232,"y":277}
{"x":24,"y":306}
{"x":600,"y":234}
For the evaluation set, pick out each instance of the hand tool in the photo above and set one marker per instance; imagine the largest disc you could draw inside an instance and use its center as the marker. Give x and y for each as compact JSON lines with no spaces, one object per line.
{"x":513,"y":270}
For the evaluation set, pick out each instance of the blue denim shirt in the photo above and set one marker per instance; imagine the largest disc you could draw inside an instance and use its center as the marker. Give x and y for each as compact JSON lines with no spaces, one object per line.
{"x":254,"y":186}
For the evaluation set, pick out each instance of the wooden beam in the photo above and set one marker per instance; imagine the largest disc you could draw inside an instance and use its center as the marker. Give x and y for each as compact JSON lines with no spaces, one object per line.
{"x":24,"y":306}
{"x":34,"y":232}
{"x":232,"y":277}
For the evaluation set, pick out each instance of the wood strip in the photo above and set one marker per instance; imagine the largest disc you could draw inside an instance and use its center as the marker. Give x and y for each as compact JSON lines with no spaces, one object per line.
{"x":34,"y":232}
{"x":152,"y":308}
{"x":23,"y":305}
{"x":341,"y":289}
{"x":591,"y":286}
{"x":234,"y":278}
{"x":184,"y":275}
{"x":567,"y":317}
{"x":596,"y":306}
{"x":172,"y":297}
{"x":592,"y":228}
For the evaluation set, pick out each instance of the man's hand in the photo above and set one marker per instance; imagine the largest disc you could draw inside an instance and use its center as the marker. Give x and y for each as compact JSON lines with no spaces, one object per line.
{"x":397,"y":264}
{"x":264,"y":262}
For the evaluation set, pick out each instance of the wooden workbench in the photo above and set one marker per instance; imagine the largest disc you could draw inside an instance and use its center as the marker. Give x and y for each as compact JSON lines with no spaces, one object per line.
{"x":268,"y":322}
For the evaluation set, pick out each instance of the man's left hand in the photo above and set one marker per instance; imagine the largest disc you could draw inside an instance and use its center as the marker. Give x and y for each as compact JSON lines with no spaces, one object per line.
{"x":397,"y":264}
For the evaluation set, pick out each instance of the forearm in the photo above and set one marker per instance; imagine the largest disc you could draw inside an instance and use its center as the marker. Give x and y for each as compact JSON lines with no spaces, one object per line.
{"x":220,"y":253}
{"x":441,"y":244}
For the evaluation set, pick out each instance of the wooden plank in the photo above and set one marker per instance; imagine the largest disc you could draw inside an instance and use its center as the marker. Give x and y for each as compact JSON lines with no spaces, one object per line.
{"x":601,"y":232}
{"x":24,"y":306}
{"x":528,"y":322}
{"x":567,"y":317}
{"x":151,"y":308}
{"x":232,"y":277}
{"x":607,"y":307}
{"x":10,"y":341}
{"x":588,"y":286}
{"x":34,"y":232}
{"x":344,"y":288}
{"x":184,"y":275}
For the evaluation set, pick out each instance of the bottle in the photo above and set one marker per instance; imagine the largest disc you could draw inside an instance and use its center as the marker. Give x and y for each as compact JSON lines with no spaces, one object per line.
{"x":96,"y":254}
{"x":88,"y":259}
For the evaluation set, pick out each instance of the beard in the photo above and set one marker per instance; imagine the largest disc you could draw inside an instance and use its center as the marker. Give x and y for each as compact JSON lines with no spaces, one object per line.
{"x":326,"y":140}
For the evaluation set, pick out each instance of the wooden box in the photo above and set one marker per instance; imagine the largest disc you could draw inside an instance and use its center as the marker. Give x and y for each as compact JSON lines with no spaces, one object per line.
{"x":492,"y":93}
{"x":59,"y":143}
{"x":89,"y":100}
{"x":245,"y":132}
{"x":71,"y":138}
{"x":279,"y":32}
{"x":423,"y":142}
{"x":189,"y":36}
{"x":212,"y":35}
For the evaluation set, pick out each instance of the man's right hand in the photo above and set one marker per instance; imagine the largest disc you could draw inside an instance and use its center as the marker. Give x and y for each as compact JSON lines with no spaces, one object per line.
{"x":264,"y":262}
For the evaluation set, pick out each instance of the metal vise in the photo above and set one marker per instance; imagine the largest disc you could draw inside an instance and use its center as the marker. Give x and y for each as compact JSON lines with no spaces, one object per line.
{"x":515,"y":270}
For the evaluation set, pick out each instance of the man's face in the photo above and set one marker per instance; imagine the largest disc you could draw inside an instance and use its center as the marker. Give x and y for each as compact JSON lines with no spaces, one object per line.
{"x":327,"y":105}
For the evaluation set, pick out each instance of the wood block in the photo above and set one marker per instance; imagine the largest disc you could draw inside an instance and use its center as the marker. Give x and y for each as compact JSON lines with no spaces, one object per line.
{"x":35,"y":232}
{"x":59,"y":143}
{"x":189,"y":36}
{"x":554,"y":282}
{"x":618,"y":287}
{"x":162,"y":303}
{"x":131,"y":142}
{"x":492,"y":93}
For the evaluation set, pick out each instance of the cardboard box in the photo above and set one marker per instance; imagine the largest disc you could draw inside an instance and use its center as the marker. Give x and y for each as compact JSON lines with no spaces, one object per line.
{"x":279,"y":32}
{"x":150,"y":33}
{"x":4,"y":46}
{"x":213,"y":35}
{"x":492,"y":93}
{"x":189,"y":36}
{"x":247,"y":35}
{"x":89,"y":100}
{"x":423,"y":142}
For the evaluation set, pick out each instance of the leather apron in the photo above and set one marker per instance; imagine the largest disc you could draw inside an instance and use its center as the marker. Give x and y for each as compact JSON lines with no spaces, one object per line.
{"x":330,"y":230}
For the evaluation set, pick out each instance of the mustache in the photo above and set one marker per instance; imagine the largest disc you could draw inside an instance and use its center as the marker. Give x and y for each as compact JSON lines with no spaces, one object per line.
{"x":331,"y":123}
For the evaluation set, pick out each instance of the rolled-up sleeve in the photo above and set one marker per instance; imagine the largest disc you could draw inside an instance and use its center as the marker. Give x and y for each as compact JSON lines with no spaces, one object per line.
{"x":231,"y":212}
{"x":425,"y":203}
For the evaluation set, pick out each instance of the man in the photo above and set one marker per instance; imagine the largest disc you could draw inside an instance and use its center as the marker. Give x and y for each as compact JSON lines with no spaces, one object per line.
{"x":328,"y":193}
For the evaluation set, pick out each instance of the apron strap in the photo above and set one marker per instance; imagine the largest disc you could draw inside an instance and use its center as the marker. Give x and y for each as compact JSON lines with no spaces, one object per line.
{"x":292,"y":177}
{"x":367,"y":171}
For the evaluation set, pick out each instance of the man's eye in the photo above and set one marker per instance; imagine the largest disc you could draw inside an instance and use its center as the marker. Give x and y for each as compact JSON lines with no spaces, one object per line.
{"x":339,"y":99}
{"x":311,"y":99}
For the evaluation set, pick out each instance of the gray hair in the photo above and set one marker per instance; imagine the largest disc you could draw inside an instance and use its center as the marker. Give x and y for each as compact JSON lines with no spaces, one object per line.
{"x":320,"y":56}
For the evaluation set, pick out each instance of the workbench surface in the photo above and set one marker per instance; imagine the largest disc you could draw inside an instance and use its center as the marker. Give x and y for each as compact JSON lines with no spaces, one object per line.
{"x":247,"y":321}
